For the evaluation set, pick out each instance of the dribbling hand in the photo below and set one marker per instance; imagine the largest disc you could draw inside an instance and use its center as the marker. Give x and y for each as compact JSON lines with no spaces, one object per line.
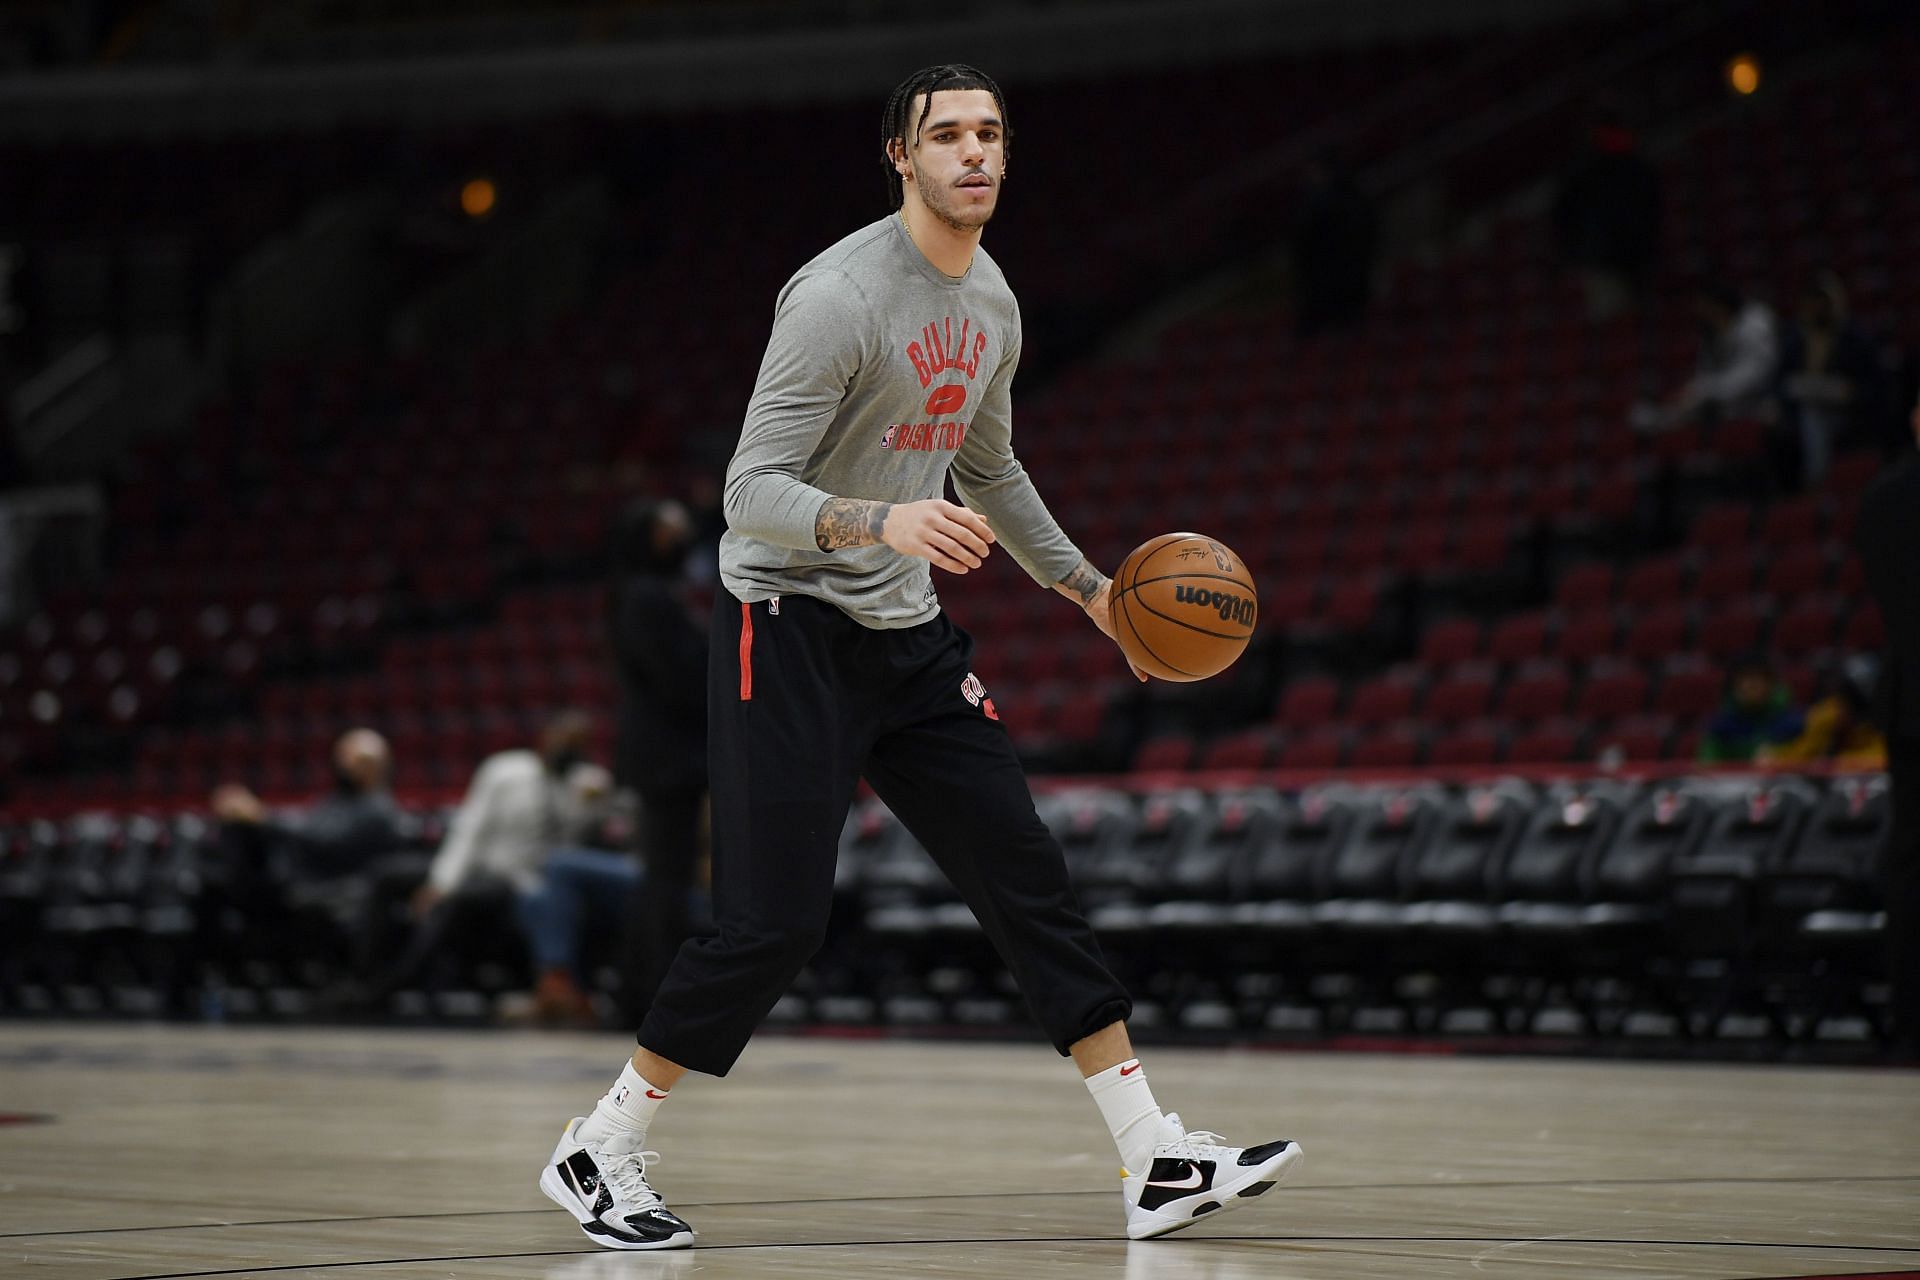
{"x":951,"y":536}
{"x":1100,"y":609}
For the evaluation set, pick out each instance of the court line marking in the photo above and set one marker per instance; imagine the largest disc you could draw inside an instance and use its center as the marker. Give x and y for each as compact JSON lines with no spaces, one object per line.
{"x":990,"y":1195}
{"x":1512,"y":1245}
{"x":860,"y":1244}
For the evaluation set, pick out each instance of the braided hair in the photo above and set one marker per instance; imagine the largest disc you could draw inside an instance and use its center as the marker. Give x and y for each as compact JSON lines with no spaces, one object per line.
{"x":928,"y":81}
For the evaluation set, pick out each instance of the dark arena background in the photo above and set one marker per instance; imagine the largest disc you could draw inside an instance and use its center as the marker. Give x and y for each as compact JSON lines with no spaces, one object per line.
{"x":1546,"y":865}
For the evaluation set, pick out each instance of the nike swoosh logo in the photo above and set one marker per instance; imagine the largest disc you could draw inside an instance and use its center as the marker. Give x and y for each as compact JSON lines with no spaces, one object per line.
{"x":656,"y":1096}
{"x":1127,"y":1071}
{"x":1194,"y":1179}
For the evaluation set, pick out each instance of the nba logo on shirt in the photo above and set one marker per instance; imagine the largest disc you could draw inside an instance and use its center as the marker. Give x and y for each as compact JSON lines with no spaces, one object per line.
{"x":886,"y":441}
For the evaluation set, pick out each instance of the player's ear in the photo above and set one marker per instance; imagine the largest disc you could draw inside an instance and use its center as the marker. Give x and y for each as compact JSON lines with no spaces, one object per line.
{"x":897,"y":154}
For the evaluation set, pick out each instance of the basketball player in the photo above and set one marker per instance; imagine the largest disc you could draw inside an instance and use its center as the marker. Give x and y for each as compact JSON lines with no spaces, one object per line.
{"x":889,"y":368}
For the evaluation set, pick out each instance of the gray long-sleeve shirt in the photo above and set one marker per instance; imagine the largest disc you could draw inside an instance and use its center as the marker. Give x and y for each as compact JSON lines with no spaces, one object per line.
{"x":882,"y":375}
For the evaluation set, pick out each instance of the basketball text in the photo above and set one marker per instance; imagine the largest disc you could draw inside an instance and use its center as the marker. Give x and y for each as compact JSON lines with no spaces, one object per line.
{"x":1230,"y":607}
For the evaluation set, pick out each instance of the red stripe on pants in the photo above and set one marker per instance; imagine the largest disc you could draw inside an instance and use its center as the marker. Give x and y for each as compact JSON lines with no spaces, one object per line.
{"x":746,"y":653}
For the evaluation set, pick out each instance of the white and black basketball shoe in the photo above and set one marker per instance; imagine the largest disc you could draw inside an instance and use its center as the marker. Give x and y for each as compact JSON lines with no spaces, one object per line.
{"x":1193,"y":1174}
{"x":604,"y":1186}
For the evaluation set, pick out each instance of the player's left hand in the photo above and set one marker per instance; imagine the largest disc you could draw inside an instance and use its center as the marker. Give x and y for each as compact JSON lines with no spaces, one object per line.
{"x":1099,"y":609}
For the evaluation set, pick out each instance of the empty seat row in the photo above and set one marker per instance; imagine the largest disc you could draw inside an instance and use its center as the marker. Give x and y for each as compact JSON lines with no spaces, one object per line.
{"x":1234,"y":907}
{"x":1683,"y":905}
{"x":1498,"y":845}
{"x":1405,"y":744}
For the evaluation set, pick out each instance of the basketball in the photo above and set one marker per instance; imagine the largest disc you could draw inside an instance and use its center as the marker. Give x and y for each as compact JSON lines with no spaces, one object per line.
{"x":1183,"y":606}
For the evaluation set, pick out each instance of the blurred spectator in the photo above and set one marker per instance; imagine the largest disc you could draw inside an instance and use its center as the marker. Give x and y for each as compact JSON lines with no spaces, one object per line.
{"x":1739,"y":352}
{"x":1606,"y":217}
{"x":709,"y":520}
{"x":1887,"y":537}
{"x":280,"y":871}
{"x":520,"y":830}
{"x":661,"y":750}
{"x":1758,"y":713}
{"x":343,"y":832}
{"x":1334,"y":236}
{"x":1839,"y":727}
{"x":1831,"y":384}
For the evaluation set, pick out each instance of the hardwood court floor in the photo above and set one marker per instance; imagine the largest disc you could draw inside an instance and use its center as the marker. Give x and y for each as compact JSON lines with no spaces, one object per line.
{"x":176,"y":1152}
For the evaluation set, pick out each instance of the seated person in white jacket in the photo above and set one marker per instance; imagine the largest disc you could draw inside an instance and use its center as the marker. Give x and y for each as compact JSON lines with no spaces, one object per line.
{"x":1734,"y":372}
{"x":522,"y":823}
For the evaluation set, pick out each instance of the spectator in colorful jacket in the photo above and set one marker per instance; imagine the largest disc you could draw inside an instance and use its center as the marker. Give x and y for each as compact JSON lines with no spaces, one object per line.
{"x":1758,"y":713}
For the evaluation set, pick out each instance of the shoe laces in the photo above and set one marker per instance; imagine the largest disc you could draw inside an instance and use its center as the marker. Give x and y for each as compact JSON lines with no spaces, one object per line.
{"x":626,"y":1173}
{"x":1197,"y":1144}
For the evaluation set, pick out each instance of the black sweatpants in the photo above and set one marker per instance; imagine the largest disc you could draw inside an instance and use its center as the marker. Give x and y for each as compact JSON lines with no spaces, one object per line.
{"x":670,"y":841}
{"x":802,"y":702}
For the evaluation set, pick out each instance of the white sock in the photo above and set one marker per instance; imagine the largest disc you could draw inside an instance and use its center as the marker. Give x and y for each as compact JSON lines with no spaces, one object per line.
{"x":624,"y":1111}
{"x":1132,"y":1116}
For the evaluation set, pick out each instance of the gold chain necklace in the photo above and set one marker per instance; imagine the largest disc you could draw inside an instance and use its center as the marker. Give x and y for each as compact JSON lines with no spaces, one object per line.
{"x":908,"y":228}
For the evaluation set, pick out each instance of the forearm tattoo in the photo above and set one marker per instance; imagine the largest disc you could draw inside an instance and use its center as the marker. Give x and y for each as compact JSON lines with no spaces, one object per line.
{"x":849,"y":522}
{"x":1085,"y":582}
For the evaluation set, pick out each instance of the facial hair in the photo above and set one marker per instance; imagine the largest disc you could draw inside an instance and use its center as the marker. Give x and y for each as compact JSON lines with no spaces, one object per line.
{"x":939,"y":203}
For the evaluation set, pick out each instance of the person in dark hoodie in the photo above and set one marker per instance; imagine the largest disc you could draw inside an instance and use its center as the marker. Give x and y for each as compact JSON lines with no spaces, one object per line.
{"x":1606,"y":216}
{"x":660,"y":750}
{"x":1334,"y":239}
{"x":1831,"y":385}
